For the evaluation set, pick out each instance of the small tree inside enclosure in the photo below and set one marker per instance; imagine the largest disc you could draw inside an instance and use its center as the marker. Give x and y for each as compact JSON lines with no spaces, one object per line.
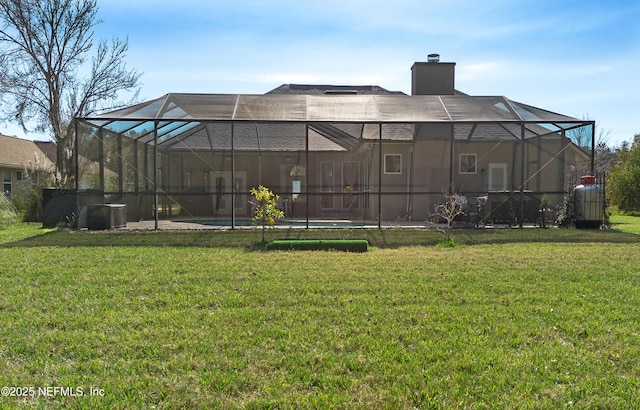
{"x":265,"y":207}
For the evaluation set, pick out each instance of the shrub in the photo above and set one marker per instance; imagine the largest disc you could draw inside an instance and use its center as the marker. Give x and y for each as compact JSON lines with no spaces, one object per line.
{"x":29,"y":199}
{"x":8,"y":212}
{"x":624,"y":179}
{"x":448,"y":242}
{"x":566,"y":212}
{"x":29,"y":203}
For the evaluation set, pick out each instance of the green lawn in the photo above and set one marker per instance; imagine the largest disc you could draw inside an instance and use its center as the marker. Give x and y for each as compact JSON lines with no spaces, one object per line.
{"x":514,"y":318}
{"x":627,"y":223}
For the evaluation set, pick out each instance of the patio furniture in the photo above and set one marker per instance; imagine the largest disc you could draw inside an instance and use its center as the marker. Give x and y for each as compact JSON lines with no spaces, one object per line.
{"x":341,"y":212}
{"x":472,"y":208}
{"x":513,"y":208}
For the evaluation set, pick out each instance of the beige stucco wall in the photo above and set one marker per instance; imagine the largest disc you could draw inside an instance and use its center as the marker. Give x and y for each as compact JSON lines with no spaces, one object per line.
{"x":425,"y":173}
{"x":16,"y":185}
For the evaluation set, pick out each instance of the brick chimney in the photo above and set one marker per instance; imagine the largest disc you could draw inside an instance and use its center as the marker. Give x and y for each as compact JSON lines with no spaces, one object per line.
{"x":433,"y":77}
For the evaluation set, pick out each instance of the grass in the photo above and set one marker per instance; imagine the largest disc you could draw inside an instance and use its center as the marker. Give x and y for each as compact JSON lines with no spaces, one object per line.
{"x":626,"y":223}
{"x":543,"y":318}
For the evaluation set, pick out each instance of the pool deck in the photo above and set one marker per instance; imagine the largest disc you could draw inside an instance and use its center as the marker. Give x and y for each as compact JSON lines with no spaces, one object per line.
{"x":211,"y":225}
{"x":195,"y":224}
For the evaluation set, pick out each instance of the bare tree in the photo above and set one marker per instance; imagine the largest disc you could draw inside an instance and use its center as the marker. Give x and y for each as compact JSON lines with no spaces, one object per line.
{"x":44,"y":47}
{"x":603,"y":153}
{"x":448,"y":211}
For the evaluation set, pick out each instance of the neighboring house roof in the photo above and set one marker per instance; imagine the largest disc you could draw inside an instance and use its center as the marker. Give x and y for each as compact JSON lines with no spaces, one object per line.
{"x":49,"y":148}
{"x":18,"y":153}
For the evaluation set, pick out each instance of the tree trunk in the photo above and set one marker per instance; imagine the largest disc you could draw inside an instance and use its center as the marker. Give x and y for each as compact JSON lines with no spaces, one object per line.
{"x":65,"y":164}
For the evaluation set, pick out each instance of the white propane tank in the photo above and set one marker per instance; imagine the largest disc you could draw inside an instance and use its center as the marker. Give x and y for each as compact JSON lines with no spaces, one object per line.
{"x":588,"y":203}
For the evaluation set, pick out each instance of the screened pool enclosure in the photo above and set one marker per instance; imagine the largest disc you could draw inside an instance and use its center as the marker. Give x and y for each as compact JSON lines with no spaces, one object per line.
{"x":372,"y":159}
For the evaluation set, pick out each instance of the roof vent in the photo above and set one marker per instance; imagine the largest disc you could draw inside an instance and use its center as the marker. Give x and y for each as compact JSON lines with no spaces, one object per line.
{"x":433,"y":58}
{"x":341,"y":91}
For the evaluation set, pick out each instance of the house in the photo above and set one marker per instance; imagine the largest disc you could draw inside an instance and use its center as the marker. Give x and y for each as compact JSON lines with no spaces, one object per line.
{"x":340,"y":152}
{"x":16,"y":156}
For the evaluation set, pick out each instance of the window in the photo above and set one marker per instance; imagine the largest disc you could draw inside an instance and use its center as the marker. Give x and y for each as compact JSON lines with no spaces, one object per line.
{"x":6,"y":186}
{"x":297,"y":174}
{"x":393,"y":164}
{"x":293,"y":179}
{"x":468,"y":163}
{"x":20,"y":176}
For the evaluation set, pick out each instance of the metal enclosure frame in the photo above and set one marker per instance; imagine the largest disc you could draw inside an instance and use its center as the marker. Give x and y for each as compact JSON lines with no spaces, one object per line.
{"x":190,"y":122}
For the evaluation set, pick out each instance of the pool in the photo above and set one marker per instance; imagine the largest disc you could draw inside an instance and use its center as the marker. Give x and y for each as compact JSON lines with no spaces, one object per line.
{"x":244,"y":222}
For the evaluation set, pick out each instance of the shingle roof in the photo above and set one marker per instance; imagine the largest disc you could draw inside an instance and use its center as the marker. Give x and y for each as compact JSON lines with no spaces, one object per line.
{"x":316,"y":89}
{"x":250,"y":137}
{"x":49,"y":148}
{"x":18,"y":153}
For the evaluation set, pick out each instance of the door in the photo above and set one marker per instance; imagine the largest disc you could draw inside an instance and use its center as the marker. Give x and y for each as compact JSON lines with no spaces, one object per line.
{"x":293,"y":186}
{"x":497,"y":177}
{"x":222,"y":188}
{"x":350,"y":181}
{"x":326,"y":185}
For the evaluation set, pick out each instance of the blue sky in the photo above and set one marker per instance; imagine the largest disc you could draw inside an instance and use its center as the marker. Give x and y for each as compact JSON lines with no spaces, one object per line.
{"x":579,"y":58}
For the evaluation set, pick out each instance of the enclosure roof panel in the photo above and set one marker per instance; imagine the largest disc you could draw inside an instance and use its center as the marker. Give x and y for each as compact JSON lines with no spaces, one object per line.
{"x":254,"y":137}
{"x":333,"y":108}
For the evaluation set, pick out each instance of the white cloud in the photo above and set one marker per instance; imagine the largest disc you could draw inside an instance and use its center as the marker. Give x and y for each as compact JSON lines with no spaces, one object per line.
{"x":562,"y":57}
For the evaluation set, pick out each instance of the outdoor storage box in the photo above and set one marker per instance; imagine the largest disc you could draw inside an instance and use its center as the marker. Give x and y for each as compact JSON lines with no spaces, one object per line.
{"x":106,"y":216}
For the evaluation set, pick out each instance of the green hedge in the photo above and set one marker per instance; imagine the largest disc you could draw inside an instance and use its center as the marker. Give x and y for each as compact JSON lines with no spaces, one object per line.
{"x":348,"y":245}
